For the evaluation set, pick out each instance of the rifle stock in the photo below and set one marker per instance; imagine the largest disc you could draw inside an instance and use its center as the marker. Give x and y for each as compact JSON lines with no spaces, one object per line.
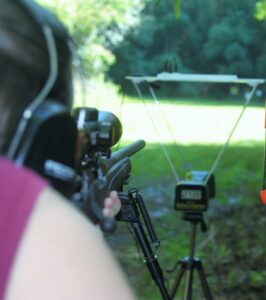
{"x":112,"y":174}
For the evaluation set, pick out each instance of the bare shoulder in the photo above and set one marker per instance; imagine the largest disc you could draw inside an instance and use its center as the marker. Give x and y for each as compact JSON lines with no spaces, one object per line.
{"x":63,"y":256}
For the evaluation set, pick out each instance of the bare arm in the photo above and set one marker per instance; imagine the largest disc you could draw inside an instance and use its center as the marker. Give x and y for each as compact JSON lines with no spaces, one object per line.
{"x":62,"y":256}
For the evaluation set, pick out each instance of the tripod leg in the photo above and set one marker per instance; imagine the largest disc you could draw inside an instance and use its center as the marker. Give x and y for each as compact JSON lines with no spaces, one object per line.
{"x":151,"y":260}
{"x":181,"y":270}
{"x":189,"y":281}
{"x":204,"y":283}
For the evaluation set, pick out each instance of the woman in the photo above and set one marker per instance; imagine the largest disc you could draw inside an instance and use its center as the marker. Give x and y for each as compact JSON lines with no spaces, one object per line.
{"x":48,"y":250}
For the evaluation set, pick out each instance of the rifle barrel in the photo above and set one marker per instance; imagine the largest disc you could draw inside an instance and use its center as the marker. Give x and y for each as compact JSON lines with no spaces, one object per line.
{"x":126,"y":151}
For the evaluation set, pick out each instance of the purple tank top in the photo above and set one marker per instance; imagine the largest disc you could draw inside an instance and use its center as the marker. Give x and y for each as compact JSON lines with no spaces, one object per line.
{"x":19,"y":189}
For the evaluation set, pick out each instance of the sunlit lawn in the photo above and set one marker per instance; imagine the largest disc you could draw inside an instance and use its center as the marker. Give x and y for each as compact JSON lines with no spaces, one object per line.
{"x":197,"y":121}
{"x":193,"y":132}
{"x":193,"y":123}
{"x":185,"y":124}
{"x":199,"y":129}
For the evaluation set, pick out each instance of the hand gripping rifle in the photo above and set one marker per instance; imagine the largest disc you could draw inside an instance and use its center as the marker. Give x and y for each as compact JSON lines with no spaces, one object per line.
{"x":100,"y":171}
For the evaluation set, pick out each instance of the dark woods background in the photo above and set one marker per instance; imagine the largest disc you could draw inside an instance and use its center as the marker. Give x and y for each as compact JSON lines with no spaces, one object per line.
{"x":212,"y":37}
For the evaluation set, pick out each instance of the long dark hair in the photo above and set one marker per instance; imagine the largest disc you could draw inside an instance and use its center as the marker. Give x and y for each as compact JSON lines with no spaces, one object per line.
{"x":24,"y":67}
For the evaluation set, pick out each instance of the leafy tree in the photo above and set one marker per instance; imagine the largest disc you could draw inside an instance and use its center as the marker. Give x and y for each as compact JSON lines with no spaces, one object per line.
{"x":95,"y":24}
{"x":261,"y":10}
{"x":146,"y":47}
{"x":229,"y":48}
{"x":211,"y":36}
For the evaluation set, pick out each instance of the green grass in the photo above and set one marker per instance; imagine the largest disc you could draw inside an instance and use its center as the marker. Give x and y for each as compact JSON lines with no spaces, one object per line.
{"x":200,"y":128}
{"x":198,"y":131}
{"x":189,"y":124}
{"x":196,"y":121}
{"x":232,"y":246}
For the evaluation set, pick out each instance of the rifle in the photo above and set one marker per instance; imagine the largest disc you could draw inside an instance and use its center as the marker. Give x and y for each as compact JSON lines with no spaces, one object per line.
{"x":100,"y":171}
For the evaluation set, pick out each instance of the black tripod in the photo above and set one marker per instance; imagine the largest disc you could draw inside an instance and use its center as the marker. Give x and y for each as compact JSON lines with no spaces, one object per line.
{"x":190,"y":263}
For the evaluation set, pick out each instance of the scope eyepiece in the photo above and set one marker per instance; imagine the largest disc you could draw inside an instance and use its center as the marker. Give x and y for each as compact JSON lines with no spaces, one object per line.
{"x":101,"y":129}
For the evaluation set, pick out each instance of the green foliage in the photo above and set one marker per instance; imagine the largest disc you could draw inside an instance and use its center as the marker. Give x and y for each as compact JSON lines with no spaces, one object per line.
{"x":95,"y":25}
{"x":261,"y":10}
{"x":211,"y":36}
{"x":177,"y":8}
{"x":230,"y":44}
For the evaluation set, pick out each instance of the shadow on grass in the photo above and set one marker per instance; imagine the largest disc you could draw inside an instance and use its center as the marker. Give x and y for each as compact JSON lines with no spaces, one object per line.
{"x":233,"y":248}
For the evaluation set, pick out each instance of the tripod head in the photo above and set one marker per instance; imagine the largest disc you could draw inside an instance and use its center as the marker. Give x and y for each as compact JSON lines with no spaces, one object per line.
{"x":195,"y":218}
